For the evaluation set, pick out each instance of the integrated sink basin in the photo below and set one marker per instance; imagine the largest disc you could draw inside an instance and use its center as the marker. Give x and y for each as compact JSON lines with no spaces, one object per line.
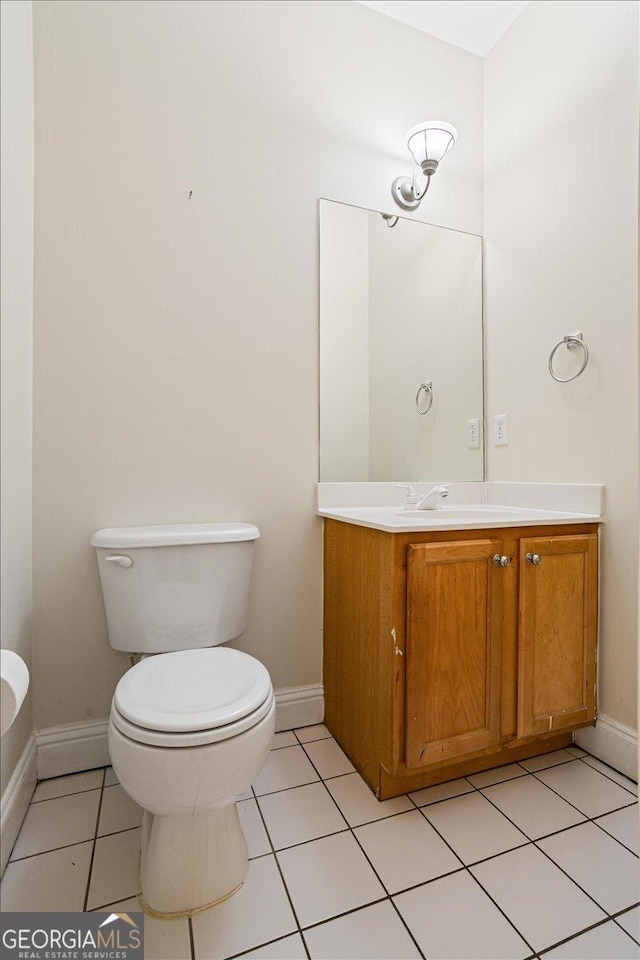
{"x":472,"y":511}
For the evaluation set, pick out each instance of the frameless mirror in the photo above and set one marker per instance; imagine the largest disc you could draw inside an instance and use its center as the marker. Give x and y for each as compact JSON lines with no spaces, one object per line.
{"x":401,"y":349}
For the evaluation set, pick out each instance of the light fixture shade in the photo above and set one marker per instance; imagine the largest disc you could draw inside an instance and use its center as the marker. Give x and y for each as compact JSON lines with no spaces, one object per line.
{"x":431,"y":140}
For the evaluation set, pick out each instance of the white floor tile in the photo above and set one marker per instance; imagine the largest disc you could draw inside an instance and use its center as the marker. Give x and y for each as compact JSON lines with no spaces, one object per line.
{"x":630,"y":921}
{"x":585,"y":788}
{"x":373,"y":933}
{"x":63,"y":786}
{"x":317,"y":732}
{"x":110,"y":777}
{"x":441,"y":791}
{"x":623,"y":825}
{"x":285,"y":739}
{"x":359,"y":805}
{"x":547,"y":760}
{"x":328,"y":758}
{"x":257,"y":913}
{"x":406,"y":850}
{"x":163,"y":939}
{"x":598,"y":864}
{"x":118,"y":811}
{"x":607,"y":940}
{"x":576,"y":751}
{"x":57,"y":823}
{"x":488,"y":777}
{"x":613,"y":774}
{"x":289,"y":948}
{"x":453,"y":918}
{"x":543,"y":904}
{"x":305,"y":813}
{"x":50,"y":881}
{"x":327,"y":877}
{"x":253,"y":829}
{"x":473,"y":827}
{"x":285,"y":768}
{"x":114,"y":875}
{"x":533,"y":808}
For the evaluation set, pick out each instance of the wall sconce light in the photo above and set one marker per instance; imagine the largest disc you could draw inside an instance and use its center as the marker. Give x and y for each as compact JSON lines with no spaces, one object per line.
{"x":429,"y":142}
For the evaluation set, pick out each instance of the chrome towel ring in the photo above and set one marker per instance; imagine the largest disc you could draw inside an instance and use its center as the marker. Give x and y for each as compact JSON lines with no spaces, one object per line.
{"x":427,"y":387}
{"x":572,"y":342}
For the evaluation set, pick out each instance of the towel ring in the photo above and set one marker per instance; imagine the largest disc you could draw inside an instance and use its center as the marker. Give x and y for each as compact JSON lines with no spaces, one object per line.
{"x":427,"y":386}
{"x":572,"y":342}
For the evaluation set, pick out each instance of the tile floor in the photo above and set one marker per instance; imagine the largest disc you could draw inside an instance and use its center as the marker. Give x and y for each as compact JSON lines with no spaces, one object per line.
{"x":536,"y":859}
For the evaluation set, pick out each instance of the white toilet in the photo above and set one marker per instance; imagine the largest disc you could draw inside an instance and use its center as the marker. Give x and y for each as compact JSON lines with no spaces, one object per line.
{"x":192,"y":723}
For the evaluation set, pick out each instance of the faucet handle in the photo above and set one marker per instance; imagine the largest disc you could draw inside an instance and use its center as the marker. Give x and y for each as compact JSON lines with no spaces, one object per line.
{"x":411,"y":497}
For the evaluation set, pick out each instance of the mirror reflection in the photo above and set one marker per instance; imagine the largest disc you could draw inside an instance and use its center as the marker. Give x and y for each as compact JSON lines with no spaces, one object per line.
{"x":401,"y":349}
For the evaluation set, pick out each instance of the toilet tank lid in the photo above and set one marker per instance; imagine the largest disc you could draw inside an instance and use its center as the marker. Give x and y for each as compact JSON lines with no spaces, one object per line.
{"x":174,"y":534}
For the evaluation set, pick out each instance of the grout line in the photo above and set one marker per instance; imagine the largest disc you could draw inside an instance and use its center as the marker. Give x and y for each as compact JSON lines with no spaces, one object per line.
{"x":593,"y":926}
{"x":63,"y":796}
{"x":95,"y":837}
{"x":284,"y":882}
{"x":603,"y":814}
{"x":551,"y":860}
{"x":191,"y":940}
{"x":616,"y":920}
{"x":611,"y":836}
{"x":379,"y":878}
{"x":76,"y":843}
{"x":475,"y":879}
{"x":609,"y":767}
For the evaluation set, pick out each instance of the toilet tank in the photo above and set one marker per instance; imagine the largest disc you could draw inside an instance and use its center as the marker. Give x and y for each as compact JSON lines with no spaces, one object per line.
{"x":175,"y":587}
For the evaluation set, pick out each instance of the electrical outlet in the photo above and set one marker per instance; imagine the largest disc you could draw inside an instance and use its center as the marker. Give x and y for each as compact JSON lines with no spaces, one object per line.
{"x":473,"y":433}
{"x":501,"y":430}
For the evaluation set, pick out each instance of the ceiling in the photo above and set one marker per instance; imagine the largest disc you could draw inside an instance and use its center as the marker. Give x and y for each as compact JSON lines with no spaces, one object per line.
{"x":475,"y":25}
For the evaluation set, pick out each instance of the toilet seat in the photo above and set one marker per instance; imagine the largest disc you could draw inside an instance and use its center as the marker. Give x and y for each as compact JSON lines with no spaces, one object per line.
{"x":191,"y":697}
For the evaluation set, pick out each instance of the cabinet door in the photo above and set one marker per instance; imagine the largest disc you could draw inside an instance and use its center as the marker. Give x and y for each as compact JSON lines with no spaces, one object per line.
{"x":557,"y":633}
{"x":454,"y":633}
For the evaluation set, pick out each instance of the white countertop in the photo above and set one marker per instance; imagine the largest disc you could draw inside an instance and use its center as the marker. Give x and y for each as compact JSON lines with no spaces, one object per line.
{"x":471,"y":506}
{"x":473,"y":517}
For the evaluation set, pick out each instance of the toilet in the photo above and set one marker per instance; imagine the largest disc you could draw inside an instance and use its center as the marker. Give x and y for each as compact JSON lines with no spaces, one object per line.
{"x":192,"y":722}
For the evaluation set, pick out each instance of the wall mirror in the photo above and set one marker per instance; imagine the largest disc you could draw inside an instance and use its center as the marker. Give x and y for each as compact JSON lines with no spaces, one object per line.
{"x":401,"y":349}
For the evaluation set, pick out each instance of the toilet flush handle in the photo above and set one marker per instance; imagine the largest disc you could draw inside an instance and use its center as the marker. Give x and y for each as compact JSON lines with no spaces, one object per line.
{"x":119,"y":560}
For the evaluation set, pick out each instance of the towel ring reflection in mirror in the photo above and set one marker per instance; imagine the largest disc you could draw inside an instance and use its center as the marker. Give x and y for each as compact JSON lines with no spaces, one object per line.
{"x":427,"y":388}
{"x":573,"y":341}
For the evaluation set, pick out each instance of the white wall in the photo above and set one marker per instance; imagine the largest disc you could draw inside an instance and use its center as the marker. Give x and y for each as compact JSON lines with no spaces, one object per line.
{"x":344,"y":342}
{"x":561,"y":223}
{"x":176,"y":340}
{"x":16,"y":267}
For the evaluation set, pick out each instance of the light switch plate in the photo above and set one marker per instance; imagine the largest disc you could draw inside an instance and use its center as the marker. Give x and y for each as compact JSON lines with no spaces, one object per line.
{"x":473,"y":433}
{"x":501,"y":430}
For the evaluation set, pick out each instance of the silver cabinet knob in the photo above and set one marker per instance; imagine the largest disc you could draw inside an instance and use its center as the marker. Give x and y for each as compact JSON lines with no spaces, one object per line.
{"x":499,"y":561}
{"x":533,"y":559}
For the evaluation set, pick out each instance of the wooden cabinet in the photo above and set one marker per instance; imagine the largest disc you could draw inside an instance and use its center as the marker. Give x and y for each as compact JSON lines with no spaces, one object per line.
{"x":448,"y":653}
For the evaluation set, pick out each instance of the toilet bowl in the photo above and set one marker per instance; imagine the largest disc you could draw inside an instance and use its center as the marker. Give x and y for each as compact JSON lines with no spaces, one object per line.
{"x":192,"y":723}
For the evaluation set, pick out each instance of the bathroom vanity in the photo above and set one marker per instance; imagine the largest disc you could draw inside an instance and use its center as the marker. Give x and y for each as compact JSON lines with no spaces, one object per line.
{"x":457,"y":642}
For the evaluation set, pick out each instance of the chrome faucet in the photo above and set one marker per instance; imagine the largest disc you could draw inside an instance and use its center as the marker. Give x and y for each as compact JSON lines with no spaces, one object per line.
{"x":432,"y":500}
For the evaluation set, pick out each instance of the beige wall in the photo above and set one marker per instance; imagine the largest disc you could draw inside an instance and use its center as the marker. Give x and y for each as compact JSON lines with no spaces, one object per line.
{"x":16,"y":137}
{"x":176,"y":340}
{"x":561,"y":142}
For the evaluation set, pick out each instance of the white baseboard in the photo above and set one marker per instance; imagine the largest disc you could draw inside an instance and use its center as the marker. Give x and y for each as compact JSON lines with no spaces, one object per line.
{"x":15,"y":800}
{"x":73,"y":747}
{"x":612,"y":742}
{"x":299,"y":706}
